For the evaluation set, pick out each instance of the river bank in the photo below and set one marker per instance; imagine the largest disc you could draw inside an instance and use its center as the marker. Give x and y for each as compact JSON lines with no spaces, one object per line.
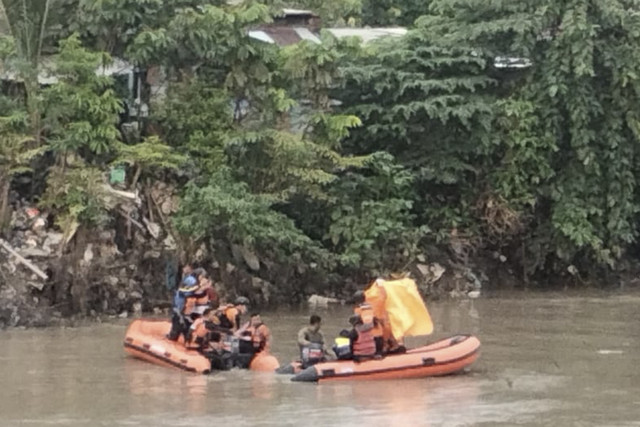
{"x":47,"y":278}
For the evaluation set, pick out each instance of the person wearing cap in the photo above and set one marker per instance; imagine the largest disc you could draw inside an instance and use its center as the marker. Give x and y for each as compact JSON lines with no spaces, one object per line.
{"x":180,"y":323}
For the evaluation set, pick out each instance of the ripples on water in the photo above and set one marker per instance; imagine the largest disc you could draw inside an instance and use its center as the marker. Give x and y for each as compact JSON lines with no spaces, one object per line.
{"x":545,"y":361}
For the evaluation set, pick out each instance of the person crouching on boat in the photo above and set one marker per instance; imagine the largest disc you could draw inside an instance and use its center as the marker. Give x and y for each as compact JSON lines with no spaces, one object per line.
{"x":312,"y":343}
{"x":254,"y":336}
{"x":231,"y":314}
{"x":199,"y":330}
{"x":180,"y":320}
{"x":363,"y":345}
{"x":206,"y":338}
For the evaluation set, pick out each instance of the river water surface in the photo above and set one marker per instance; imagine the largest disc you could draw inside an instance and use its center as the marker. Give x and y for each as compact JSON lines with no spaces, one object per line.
{"x":546,"y":360}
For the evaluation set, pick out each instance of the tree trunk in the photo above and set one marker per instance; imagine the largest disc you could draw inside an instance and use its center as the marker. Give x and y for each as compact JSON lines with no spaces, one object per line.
{"x":4,"y":203}
{"x":136,"y":177}
{"x":33,"y":106}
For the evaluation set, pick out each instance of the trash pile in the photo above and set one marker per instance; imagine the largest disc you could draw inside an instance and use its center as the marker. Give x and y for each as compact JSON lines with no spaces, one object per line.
{"x":46,"y":274}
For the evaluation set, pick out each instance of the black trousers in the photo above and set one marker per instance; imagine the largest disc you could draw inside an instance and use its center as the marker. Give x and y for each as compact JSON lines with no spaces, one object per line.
{"x":178,"y":327}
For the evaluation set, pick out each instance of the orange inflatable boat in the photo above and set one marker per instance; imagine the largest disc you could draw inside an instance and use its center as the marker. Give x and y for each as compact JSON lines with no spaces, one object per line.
{"x":443,"y":357}
{"x":145,"y":339}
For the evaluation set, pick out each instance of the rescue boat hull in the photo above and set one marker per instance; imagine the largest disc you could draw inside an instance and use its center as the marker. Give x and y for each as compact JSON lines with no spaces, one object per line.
{"x":146,"y":339}
{"x":443,"y":357}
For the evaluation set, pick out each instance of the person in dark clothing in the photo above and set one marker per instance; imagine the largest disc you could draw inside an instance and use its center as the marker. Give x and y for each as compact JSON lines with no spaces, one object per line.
{"x":220,"y":359}
{"x":180,"y":323}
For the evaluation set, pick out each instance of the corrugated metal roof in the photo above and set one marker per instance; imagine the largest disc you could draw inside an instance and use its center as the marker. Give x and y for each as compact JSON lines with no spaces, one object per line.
{"x":45,"y":77}
{"x":285,"y":35}
{"x":368,"y":34}
{"x":261,"y":35}
{"x":282,"y":36}
{"x":298,"y":12}
{"x":305,"y":34}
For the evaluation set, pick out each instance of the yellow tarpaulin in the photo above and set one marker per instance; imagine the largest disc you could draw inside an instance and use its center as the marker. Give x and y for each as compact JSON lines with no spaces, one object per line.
{"x":406,"y":311}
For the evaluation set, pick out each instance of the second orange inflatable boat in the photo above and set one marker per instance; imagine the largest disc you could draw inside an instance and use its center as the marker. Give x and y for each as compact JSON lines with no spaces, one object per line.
{"x":444,"y":357}
{"x":145,"y":339}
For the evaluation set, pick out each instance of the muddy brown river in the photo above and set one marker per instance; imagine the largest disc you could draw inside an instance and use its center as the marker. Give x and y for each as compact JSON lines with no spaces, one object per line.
{"x":547,"y":359}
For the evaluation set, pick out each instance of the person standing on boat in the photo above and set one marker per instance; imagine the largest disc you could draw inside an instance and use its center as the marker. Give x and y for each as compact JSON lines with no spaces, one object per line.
{"x":312,"y":343}
{"x":180,"y":321}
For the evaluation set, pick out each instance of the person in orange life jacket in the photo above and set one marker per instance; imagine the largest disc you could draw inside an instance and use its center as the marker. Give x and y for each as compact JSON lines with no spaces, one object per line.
{"x":199,"y":331}
{"x":312,"y":343}
{"x":376,"y":296}
{"x":180,"y":321}
{"x":230,"y":315}
{"x":369,"y":322}
{"x":363,"y":345}
{"x":255,"y":332}
{"x":206,"y":285}
{"x":204,"y":297}
{"x":207,"y":340}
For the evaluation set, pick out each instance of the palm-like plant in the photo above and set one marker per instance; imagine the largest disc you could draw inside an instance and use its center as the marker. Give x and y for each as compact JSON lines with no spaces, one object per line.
{"x":27,"y":21}
{"x":16,"y":153}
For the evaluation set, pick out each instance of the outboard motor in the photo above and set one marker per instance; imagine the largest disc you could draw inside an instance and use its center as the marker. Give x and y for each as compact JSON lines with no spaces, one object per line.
{"x":311,"y":354}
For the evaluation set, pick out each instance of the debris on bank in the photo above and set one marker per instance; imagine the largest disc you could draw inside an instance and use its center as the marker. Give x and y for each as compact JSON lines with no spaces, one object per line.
{"x":129,"y":267}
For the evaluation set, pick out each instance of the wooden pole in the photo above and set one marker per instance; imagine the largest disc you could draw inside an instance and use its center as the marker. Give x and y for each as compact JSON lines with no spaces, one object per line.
{"x":23,"y":260}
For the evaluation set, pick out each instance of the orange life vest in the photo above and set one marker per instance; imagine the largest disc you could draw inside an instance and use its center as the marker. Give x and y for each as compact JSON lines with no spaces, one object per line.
{"x":369,"y":321}
{"x":365,"y":345}
{"x":229,"y":317}
{"x":198,"y":333}
{"x":195,"y":304}
{"x":259,"y":336}
{"x":201,"y":303}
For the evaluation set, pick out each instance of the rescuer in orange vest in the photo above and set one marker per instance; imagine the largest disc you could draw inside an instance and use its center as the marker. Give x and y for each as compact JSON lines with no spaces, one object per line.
{"x":369,"y":321}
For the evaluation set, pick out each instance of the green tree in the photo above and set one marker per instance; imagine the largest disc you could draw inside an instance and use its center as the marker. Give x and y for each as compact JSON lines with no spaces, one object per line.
{"x":223,"y":211}
{"x":588,"y":82}
{"x":385,"y":13}
{"x":17,"y":149}
{"x":81,"y":116}
{"x":81,"y":108}
{"x":372,"y":227}
{"x":563,"y":135}
{"x":148,"y":155}
{"x":28,"y":22}
{"x":334,"y":12}
{"x":431,"y":107}
{"x":195,"y":118}
{"x":77,"y":196}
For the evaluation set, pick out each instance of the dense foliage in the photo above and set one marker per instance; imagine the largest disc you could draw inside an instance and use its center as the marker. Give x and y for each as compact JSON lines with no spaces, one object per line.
{"x":507,"y":126}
